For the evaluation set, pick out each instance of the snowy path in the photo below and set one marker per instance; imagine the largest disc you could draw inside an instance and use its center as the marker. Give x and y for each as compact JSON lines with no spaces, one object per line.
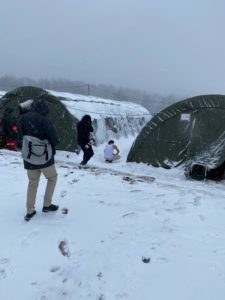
{"x":122,"y":239}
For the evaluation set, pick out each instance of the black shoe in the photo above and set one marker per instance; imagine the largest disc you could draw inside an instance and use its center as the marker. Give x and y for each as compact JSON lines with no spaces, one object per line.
{"x":108,"y":160}
{"x":29,"y":216}
{"x":51,"y":207}
{"x":83,"y":163}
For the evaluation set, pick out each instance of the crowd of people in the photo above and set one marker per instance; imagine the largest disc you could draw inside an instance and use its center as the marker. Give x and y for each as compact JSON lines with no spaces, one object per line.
{"x":37,"y":138}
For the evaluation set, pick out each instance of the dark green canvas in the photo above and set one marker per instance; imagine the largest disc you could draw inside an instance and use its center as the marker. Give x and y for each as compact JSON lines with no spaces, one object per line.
{"x":63,"y":120}
{"x":187,"y":132}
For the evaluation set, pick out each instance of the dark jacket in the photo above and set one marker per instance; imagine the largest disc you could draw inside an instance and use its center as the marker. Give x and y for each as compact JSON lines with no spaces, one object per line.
{"x":8,"y":124}
{"x":84,"y":128}
{"x":35,"y":123}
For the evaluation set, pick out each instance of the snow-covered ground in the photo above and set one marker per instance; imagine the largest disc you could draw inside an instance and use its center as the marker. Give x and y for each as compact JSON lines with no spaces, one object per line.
{"x":124,"y":237}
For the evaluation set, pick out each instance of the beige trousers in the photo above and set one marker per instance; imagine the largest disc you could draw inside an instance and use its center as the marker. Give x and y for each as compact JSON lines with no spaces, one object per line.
{"x":34,"y":177}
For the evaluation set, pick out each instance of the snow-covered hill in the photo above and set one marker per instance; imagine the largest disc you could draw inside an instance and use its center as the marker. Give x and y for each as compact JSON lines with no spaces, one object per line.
{"x":122,"y":238}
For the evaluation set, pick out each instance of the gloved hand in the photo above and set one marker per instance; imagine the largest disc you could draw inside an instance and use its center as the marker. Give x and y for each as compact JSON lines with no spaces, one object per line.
{"x":86,"y":146}
{"x":92,"y":141}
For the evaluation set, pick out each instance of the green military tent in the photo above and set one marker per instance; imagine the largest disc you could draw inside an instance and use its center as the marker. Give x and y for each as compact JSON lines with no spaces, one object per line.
{"x":188,"y":132}
{"x":63,"y":120}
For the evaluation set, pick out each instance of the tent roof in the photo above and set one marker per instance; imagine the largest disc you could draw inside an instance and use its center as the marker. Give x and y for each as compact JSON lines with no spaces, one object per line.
{"x":189,"y":104}
{"x":167,"y":140}
{"x":63,"y":120}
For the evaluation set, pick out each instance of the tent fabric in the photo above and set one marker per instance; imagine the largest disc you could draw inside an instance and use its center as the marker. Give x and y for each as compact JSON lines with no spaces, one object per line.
{"x":63,"y":120}
{"x":187,"y":132}
{"x":111,"y":119}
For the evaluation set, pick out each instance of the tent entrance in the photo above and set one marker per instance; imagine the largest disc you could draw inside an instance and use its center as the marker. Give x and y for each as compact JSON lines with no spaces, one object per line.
{"x":202,"y":172}
{"x":217,"y":173}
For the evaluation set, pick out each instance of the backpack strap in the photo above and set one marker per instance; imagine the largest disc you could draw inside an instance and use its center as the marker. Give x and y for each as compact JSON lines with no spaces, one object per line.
{"x":30,"y":150}
{"x":46,"y":152}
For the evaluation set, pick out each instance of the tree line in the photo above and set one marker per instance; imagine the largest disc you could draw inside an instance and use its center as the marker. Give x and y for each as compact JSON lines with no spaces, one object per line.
{"x":151,"y":101}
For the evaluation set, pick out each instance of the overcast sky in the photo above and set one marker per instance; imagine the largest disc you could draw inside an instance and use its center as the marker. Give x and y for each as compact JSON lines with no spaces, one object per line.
{"x":158,"y":46}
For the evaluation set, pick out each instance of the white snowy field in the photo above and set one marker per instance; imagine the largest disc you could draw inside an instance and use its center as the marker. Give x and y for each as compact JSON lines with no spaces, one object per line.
{"x":124,"y":237}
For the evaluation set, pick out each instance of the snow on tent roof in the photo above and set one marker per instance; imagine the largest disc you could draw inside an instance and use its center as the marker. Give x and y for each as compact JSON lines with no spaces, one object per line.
{"x":111,"y":118}
{"x":2,"y":93}
{"x":187,"y":132}
{"x":99,"y":107}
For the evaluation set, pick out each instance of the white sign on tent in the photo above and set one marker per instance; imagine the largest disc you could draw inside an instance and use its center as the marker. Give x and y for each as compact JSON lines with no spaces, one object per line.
{"x":185,"y":117}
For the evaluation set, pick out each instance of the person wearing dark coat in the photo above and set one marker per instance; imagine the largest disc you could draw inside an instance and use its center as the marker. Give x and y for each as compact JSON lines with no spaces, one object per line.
{"x":84,"y":140}
{"x":36,"y":123}
{"x":9,"y":129}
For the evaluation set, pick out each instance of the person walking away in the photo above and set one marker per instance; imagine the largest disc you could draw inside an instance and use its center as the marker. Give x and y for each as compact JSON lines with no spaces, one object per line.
{"x":111,"y":152}
{"x":35,"y":123}
{"x":84,"y":138}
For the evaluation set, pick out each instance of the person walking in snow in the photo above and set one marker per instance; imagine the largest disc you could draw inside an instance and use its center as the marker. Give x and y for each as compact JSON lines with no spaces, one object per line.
{"x":35,"y":123}
{"x":85,"y":138}
{"x":111,"y":152}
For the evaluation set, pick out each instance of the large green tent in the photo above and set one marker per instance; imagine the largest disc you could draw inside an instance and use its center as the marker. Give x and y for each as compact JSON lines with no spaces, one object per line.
{"x":187,"y":132}
{"x":63,"y":120}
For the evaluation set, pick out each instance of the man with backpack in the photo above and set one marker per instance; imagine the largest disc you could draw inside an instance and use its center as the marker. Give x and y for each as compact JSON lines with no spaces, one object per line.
{"x":35,"y":126}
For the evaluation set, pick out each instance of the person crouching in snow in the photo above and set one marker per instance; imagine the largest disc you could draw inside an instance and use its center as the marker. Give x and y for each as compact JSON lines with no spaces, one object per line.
{"x":111,"y":152}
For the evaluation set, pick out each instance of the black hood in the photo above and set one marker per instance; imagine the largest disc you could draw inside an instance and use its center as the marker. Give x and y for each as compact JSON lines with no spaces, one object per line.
{"x":40,"y":107}
{"x":86,"y":118}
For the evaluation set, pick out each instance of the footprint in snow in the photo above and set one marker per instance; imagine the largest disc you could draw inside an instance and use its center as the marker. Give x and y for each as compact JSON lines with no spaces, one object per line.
{"x":67,"y":174}
{"x":63,"y":194}
{"x":4,"y":264}
{"x":55,"y":269}
{"x":197,"y":201}
{"x":135,"y":191}
{"x":3,"y":274}
{"x":73,"y":181}
{"x":202,"y":218}
{"x":162,"y":259}
{"x":30,"y":236}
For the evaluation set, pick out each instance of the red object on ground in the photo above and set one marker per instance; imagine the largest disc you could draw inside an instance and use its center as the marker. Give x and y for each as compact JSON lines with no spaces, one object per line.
{"x":11,"y":144}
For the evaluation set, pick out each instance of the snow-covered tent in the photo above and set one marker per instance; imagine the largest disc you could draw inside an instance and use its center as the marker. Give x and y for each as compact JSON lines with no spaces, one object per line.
{"x":188,"y":132}
{"x":111,"y":119}
{"x":64,"y":122}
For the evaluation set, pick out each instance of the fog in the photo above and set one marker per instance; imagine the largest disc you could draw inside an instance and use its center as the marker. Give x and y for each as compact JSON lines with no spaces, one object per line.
{"x":158,"y":46}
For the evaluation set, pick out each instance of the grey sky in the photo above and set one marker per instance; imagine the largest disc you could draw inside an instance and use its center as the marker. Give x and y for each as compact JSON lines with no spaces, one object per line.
{"x":162,"y":46}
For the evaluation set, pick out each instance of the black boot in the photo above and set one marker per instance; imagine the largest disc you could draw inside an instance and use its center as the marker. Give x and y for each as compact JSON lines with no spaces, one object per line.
{"x":51,"y":207}
{"x":29,"y":216}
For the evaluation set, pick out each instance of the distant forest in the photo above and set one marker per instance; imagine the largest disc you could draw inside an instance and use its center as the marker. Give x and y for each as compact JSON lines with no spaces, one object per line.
{"x":153,"y":102}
